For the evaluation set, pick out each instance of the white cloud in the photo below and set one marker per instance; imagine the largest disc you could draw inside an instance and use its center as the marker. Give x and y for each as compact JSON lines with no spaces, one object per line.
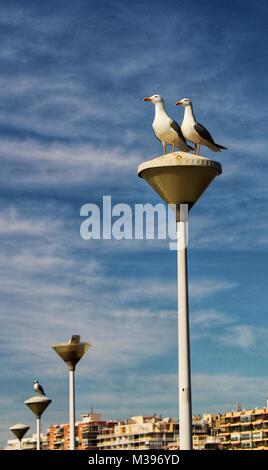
{"x":63,"y":164}
{"x":206,"y":287}
{"x":242,"y":336}
{"x":225,"y":330}
{"x":12,"y":223}
{"x":210,"y":318}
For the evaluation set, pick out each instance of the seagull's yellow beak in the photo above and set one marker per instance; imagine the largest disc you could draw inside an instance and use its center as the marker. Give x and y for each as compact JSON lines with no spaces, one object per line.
{"x":147,"y":99}
{"x":178,"y":103}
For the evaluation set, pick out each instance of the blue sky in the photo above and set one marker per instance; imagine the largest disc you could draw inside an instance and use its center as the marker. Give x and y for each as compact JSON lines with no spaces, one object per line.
{"x":73,"y":128}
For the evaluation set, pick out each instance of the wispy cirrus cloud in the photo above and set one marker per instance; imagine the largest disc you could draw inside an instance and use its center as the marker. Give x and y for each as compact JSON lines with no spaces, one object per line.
{"x":242,"y":336}
{"x":211,"y":318}
{"x":228,"y":331}
{"x":207,"y":287}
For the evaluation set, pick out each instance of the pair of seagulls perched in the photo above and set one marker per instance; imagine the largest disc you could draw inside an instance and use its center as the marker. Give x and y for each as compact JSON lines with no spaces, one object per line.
{"x":170,"y":133}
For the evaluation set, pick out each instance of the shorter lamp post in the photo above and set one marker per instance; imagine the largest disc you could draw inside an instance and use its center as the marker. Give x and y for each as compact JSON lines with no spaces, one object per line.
{"x":37,"y":405}
{"x":71,"y":353}
{"x":19,"y":430}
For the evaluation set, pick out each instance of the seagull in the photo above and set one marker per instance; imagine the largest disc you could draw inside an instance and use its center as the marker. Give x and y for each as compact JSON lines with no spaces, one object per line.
{"x":38,"y":388}
{"x":194,"y":131}
{"x":165,"y":129}
{"x":75,"y":339}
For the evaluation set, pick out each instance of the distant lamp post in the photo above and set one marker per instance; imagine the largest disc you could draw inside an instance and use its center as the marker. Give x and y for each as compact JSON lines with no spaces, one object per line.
{"x":37,"y":405}
{"x":71,"y":353}
{"x":19,"y":430}
{"x":180,"y":179}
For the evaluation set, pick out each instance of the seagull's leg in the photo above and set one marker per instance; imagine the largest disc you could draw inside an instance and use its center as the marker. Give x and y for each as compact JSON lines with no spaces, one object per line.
{"x":195,"y":149}
{"x":173,"y":147}
{"x":198,"y":149}
{"x":164,"y":147}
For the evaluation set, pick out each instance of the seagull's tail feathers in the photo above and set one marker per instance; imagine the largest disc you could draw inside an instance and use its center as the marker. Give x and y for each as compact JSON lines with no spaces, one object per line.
{"x":185,"y":147}
{"x":190,"y":149}
{"x":215,"y":147}
{"x":221,"y":147}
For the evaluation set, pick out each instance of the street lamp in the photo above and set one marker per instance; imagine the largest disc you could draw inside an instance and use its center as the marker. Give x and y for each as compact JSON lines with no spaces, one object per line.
{"x":37,"y":405}
{"x":180,"y":179}
{"x":71,"y":353}
{"x":19,"y":430}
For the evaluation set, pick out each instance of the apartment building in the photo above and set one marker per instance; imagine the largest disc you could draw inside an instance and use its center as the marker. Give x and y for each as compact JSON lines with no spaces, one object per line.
{"x":153,"y":432}
{"x":28,"y":443}
{"x":86,"y":431}
{"x":212,"y":420}
{"x":139,"y":433}
{"x":245,"y":429}
{"x":58,"y":437}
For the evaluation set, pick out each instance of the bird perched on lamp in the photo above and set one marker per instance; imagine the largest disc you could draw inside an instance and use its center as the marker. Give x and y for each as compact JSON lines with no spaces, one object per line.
{"x":194,"y":131}
{"x":75,"y":339}
{"x":165,"y":129}
{"x":38,"y":388}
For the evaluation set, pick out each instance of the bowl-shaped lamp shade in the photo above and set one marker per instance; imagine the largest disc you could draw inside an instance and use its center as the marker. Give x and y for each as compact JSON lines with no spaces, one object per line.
{"x":71,"y":353}
{"x":179,"y":178}
{"x":38,"y":404}
{"x":19,"y":430}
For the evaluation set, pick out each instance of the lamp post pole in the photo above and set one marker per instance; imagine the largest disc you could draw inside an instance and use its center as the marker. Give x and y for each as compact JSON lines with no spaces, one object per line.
{"x":72,"y":408}
{"x":184,"y":365}
{"x":181,"y":178}
{"x":71,"y":353}
{"x":38,"y":432}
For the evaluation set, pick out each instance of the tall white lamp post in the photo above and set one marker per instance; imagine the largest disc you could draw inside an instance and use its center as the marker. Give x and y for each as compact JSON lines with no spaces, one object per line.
{"x":37,"y":405}
{"x":71,"y":353}
{"x":19,"y":430}
{"x":180,"y":179}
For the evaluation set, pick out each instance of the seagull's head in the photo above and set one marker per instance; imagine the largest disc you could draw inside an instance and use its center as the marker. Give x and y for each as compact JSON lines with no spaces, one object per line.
{"x":154,"y":99}
{"x":184,"y":102}
{"x":35,"y":382}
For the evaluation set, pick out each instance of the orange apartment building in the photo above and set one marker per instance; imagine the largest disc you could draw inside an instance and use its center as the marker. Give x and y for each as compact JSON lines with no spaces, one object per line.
{"x":87,"y":430}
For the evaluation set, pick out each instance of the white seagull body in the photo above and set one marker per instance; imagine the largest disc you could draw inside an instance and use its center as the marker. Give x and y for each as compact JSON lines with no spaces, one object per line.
{"x":166,"y":130}
{"x":194,"y":131}
{"x":38,"y":388}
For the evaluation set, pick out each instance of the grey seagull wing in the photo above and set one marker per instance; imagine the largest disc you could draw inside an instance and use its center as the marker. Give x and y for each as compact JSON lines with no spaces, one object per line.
{"x":41,"y":389}
{"x":203,"y":132}
{"x":177,"y":128}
